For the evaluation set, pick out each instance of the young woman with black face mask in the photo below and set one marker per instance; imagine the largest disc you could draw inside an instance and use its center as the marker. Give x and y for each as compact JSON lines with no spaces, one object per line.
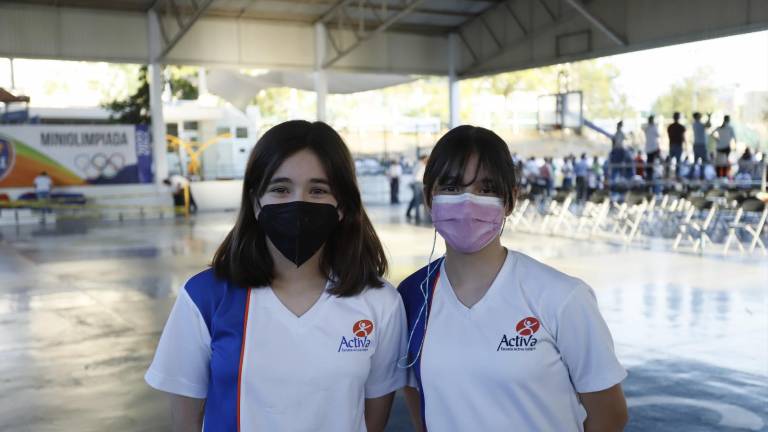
{"x":292,"y":328}
{"x":497,"y":340}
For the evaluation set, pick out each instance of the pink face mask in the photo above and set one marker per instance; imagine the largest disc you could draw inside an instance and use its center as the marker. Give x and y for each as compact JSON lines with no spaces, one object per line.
{"x":467,"y":222}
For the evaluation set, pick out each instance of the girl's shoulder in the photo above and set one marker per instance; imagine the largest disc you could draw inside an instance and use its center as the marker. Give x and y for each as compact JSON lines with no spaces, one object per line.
{"x":207,"y":291}
{"x":205,"y":286}
{"x":386,"y":292}
{"x":547,"y":286}
{"x":412,"y":288}
{"x":383,"y":300}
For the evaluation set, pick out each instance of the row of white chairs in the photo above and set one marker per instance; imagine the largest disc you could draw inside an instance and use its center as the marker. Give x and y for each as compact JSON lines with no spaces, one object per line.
{"x":699,"y":222}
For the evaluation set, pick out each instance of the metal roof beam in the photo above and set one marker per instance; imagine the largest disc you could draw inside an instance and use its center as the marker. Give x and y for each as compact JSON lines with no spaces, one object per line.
{"x":576,"y":4}
{"x":356,"y":26}
{"x":468,"y":46}
{"x":546,"y":7}
{"x":490,"y":31}
{"x":329,"y":13}
{"x":184,"y":25}
{"x":529,"y":31}
{"x":515,"y":18}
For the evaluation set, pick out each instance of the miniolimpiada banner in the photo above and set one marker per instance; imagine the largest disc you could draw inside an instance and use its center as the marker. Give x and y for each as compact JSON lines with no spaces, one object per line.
{"x":75,"y":155}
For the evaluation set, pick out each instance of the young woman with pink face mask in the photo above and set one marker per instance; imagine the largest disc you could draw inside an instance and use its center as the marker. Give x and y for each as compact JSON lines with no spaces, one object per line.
{"x":497,"y":340}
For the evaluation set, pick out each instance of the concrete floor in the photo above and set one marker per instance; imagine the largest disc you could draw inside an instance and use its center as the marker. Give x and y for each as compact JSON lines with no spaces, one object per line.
{"x":81,"y":308}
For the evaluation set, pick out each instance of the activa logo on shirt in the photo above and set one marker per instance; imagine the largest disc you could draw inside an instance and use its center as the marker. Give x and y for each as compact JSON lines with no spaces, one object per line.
{"x":359,"y":341}
{"x":524,"y":340}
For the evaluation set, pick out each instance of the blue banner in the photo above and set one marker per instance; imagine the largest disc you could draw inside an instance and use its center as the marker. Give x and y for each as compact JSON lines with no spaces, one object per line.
{"x":144,"y":154}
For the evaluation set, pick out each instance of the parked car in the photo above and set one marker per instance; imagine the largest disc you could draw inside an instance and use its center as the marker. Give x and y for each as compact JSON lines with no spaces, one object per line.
{"x":369,"y":166}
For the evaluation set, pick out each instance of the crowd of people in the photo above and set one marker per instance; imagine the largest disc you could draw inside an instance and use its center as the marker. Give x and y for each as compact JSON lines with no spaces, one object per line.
{"x":649,"y":169}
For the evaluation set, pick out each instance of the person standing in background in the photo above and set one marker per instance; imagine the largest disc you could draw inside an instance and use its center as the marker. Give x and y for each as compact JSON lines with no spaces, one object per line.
{"x":43,"y":185}
{"x":652,"y":151}
{"x":181,"y":190}
{"x":595,"y":176}
{"x":394,"y":172}
{"x":619,"y":164}
{"x":567,"y":169}
{"x":700,"y":137}
{"x":545,"y":173}
{"x":618,"y":137}
{"x":417,"y":186}
{"x":676,"y":134}
{"x":581,"y":169}
{"x":724,"y":135}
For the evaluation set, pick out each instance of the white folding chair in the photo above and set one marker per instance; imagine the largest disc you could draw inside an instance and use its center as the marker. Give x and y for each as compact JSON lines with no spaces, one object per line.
{"x":518,"y":216}
{"x":733,"y":226}
{"x":755,"y":210}
{"x":632,"y":221}
{"x":756,"y":230}
{"x":694,"y":229}
{"x":592,"y":213}
{"x":553,"y":211}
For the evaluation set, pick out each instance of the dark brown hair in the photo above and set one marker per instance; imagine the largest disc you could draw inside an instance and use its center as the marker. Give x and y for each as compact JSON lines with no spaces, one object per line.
{"x":451,"y":154}
{"x":353,"y":254}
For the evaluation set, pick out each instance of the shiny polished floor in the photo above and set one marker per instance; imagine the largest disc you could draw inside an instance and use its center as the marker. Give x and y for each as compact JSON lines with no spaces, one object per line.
{"x":82,"y":305}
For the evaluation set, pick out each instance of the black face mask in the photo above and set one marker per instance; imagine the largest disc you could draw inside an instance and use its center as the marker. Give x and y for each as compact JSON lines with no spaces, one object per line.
{"x":298,"y":229}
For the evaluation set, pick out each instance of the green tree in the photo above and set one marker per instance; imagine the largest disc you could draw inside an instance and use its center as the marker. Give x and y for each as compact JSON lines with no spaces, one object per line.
{"x":134,"y":109}
{"x":694,"y":93}
{"x":542,"y":79}
{"x":118,"y":81}
{"x":597,"y":80}
{"x":181,"y":80}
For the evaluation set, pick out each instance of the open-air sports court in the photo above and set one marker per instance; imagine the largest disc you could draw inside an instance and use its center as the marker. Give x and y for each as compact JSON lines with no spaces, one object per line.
{"x":82,"y":308}
{"x":86,"y":283}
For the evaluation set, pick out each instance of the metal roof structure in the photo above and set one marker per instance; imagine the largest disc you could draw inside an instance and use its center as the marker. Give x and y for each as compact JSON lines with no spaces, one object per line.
{"x":470,"y":37}
{"x":457,"y":38}
{"x":431,"y":17}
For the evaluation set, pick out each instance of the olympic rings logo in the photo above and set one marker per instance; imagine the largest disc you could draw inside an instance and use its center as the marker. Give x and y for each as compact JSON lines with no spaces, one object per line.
{"x":100,"y":165}
{"x":7,"y":158}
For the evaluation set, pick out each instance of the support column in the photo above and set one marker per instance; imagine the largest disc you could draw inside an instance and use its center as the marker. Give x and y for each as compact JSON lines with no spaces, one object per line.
{"x":202,"y":82}
{"x":321,"y":79}
{"x":453,"y":81}
{"x":13,"y":75}
{"x":159,"y":159}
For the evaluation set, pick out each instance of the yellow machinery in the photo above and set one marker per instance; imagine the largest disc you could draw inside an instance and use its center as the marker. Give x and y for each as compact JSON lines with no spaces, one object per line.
{"x":194,"y":150}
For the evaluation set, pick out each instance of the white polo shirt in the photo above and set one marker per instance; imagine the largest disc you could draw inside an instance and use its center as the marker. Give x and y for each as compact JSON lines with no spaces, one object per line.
{"x":724,"y":136}
{"x":261,"y":368}
{"x":517,"y":359}
{"x":651,"y":137}
{"x":43,"y":183}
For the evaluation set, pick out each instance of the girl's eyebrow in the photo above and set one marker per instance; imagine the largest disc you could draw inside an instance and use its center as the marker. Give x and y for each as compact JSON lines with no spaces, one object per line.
{"x":280,"y":180}
{"x":288,"y":180}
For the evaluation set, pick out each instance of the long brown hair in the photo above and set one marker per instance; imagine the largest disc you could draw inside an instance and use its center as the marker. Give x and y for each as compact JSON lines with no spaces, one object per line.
{"x":353,"y":254}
